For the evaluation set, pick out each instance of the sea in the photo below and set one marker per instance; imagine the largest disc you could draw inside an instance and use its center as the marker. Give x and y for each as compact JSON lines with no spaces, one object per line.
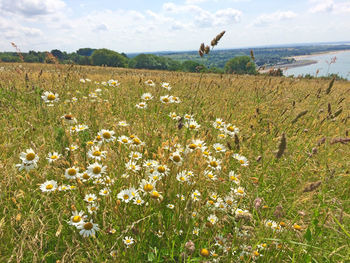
{"x":324,"y":67}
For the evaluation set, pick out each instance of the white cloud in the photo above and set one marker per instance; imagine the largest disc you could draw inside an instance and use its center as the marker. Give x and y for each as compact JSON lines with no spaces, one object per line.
{"x":273,"y":18}
{"x":329,"y":6}
{"x":31,"y":8}
{"x":199,"y":17}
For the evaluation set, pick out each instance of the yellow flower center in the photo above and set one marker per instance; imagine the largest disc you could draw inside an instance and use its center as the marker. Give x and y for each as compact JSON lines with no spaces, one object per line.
{"x":165,"y":99}
{"x":146,"y":98}
{"x":213,"y":164}
{"x":128,"y":241}
{"x":211,"y":176}
{"x":241,"y":161}
{"x":148,"y":187}
{"x":49,"y":186}
{"x":72,"y":171}
{"x":98,"y":138}
{"x":182,"y":178}
{"x":161,"y":169}
{"x":229,"y":202}
{"x":90,"y":199}
{"x":76,"y":219}
{"x":204,"y":252}
{"x":192,"y":126}
{"x":53,"y":157}
{"x":240,"y":191}
{"x":51,"y":97}
{"x":86,"y":176}
{"x":126,"y":197}
{"x":136,"y":141}
{"x":97,"y":153}
{"x":88,"y":226}
{"x":125,"y":140}
{"x":107,"y":135}
{"x":176,"y":158}
{"x":218,"y":148}
{"x":30,"y":156}
{"x":93,"y":208}
{"x":96,"y":170}
{"x":192,"y":146}
{"x":155,"y":194}
{"x":256,"y":253}
{"x":138,"y":201}
{"x":105,"y":192}
{"x":230,"y":128}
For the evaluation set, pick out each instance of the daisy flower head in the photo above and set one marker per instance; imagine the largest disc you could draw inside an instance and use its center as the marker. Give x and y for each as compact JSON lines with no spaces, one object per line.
{"x":214,"y":163}
{"x":113,"y":83}
{"x":212,"y":219}
{"x":81,"y":127}
{"x":96,"y":153}
{"x":146,"y":96}
{"x":71,"y":173}
{"x":210,"y":175}
{"x":136,"y":142}
{"x":192,"y":125}
{"x":124,"y":139}
{"x":29,"y":156}
{"x":165,"y":99}
{"x":218,"y":123}
{"x":92,"y":208}
{"x":218,"y":147}
{"x":195,"y":231}
{"x":233,"y":177}
{"x":128,"y":241}
{"x":174,"y":116}
{"x":125,"y":195}
{"x":182,"y":177}
{"x":69,"y":119}
{"x":240,"y":192}
{"x":82,"y":80}
{"x":49,"y":186}
{"x":147,"y":185}
{"x":77,"y":218}
{"x":104,"y":191}
{"x":156,"y":195}
{"x":135,"y":155}
{"x":138,"y":200}
{"x":188,"y":117}
{"x":72,"y":148}
{"x":242,"y":160}
{"x":175,"y":99}
{"x":63,"y":187}
{"x":96,"y":170}
{"x":123,"y":123}
{"x":88,"y":228}
{"x":150,"y":83}
{"x":162,"y":169}
{"x":50,"y":97}
{"x":132,"y":166}
{"x":176,"y":158}
{"x":171,"y":206}
{"x":106,"y":135}
{"x":166,"y":85}
{"x":84,"y":176}
{"x":141,"y":105}
{"x":195,"y":195}
{"x":90,"y":198}
{"x":231,"y":130}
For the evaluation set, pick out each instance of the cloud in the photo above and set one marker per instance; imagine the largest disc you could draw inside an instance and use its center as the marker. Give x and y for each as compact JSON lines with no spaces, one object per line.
{"x":31,"y":8}
{"x":273,"y":18}
{"x":329,"y":6}
{"x":321,"y":6}
{"x":199,"y":17}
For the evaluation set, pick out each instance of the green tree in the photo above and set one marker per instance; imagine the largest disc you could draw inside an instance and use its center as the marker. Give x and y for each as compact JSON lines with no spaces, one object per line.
{"x":240,"y":65}
{"x":192,"y":66}
{"x":85,"y":51}
{"x":108,"y":57}
{"x":57,"y":53}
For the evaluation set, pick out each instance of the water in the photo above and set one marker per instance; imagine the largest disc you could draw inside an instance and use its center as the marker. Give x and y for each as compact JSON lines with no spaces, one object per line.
{"x":340,"y":67}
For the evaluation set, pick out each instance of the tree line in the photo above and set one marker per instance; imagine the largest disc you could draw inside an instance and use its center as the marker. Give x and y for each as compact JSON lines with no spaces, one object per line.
{"x":106,"y":57}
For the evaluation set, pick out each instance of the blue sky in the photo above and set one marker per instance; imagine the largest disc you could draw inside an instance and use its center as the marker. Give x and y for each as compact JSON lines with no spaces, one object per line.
{"x":146,"y":26}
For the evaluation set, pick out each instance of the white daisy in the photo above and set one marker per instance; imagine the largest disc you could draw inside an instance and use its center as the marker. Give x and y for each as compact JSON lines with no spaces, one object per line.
{"x":49,"y":186}
{"x":29,"y":156}
{"x":72,"y":172}
{"x":90,"y":198}
{"x":54,"y":156}
{"x":88,"y":229}
{"x":128,"y":241}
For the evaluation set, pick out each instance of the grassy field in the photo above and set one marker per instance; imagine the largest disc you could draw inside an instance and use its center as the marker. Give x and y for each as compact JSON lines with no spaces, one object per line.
{"x":172,"y":190}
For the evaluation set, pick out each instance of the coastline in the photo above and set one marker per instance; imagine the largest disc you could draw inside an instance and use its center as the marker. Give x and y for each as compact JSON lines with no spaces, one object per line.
{"x":302,"y":60}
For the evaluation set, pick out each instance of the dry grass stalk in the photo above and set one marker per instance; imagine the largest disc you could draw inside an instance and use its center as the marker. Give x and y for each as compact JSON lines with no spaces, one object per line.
{"x":340,"y":140}
{"x":301,"y":114}
{"x":282,"y":146}
{"x":328,"y":90}
{"x":19,"y":53}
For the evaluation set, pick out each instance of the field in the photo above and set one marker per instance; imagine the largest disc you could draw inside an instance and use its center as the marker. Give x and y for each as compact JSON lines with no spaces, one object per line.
{"x":258,"y":173}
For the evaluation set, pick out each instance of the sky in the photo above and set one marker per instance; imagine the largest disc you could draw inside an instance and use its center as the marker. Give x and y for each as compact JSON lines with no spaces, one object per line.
{"x":173,"y":25}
